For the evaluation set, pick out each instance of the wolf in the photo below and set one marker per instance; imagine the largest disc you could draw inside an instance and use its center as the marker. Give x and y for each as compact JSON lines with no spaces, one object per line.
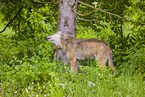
{"x":83,"y":49}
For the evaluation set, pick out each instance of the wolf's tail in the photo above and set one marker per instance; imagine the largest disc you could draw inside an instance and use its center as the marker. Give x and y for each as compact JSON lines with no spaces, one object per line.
{"x":110,"y":62}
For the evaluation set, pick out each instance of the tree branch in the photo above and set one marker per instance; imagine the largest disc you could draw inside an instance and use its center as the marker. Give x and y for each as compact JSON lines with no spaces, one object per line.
{"x":88,"y":20}
{"x":95,"y":20}
{"x":12,"y":20}
{"x":83,"y":14}
{"x":79,"y":13}
{"x":110,"y":13}
{"x":53,"y":2}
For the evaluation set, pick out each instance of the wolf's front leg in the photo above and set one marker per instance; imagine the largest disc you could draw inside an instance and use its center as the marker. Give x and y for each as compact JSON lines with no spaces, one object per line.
{"x":72,"y":61}
{"x":71,"y":57}
{"x":72,"y":64}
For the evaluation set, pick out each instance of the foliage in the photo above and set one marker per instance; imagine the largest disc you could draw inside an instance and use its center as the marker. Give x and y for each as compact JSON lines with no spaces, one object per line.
{"x":31,"y":20}
{"x":55,"y":79}
{"x":28,"y":69}
{"x":16,"y":52}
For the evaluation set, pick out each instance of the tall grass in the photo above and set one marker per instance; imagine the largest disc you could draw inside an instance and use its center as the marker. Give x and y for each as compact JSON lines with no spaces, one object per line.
{"x":28,"y":70}
{"x":55,"y":79}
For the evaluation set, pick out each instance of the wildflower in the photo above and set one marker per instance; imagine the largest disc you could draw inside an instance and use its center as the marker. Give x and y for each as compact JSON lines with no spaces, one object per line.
{"x":56,"y":78}
{"x":90,"y":83}
{"x":32,"y":88}
{"x":15,"y":92}
{"x":61,"y":84}
{"x":43,"y":86}
{"x":37,"y":95}
{"x":32,"y":83}
{"x":26,"y":90}
{"x":44,"y":94}
{"x":95,"y":3}
{"x":55,"y":83}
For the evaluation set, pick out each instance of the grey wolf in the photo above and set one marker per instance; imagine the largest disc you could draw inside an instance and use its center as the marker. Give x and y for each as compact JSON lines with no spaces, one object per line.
{"x":83,"y":49}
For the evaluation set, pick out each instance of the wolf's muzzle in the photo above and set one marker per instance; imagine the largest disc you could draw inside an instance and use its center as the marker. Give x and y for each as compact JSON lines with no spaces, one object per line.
{"x":47,"y":38}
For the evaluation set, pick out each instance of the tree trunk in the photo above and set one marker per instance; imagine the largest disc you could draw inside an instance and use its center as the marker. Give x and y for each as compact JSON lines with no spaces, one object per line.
{"x":66,"y":23}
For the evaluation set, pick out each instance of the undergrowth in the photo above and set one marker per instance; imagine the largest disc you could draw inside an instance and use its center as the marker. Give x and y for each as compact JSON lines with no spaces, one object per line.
{"x":27,"y":70}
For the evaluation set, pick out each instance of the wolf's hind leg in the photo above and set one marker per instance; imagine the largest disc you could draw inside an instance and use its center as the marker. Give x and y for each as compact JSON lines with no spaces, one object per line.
{"x":102,"y":58}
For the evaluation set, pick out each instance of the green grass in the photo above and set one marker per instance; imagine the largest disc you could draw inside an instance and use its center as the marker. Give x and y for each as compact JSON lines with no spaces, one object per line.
{"x":38,"y":75}
{"x":27,"y":69}
{"x":55,"y":79}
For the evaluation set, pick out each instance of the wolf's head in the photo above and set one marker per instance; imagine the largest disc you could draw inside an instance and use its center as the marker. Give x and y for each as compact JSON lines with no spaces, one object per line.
{"x":55,"y":38}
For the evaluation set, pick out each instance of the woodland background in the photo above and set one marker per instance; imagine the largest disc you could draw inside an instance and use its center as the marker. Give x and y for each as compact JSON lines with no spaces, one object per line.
{"x":28,"y":69}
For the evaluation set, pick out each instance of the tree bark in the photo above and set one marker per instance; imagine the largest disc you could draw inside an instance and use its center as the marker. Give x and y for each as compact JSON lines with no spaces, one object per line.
{"x":66,"y":24}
